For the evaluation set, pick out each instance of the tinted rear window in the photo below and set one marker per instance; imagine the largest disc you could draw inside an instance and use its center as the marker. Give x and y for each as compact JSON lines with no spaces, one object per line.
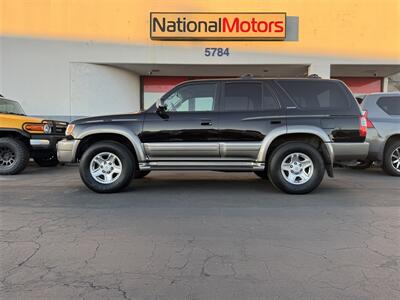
{"x":391,"y":105}
{"x":318,"y":95}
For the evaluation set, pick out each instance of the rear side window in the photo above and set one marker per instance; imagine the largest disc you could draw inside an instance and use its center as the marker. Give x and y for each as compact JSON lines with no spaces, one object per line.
{"x":318,"y":95}
{"x":242,"y":96}
{"x":248,"y":96}
{"x":391,"y":105}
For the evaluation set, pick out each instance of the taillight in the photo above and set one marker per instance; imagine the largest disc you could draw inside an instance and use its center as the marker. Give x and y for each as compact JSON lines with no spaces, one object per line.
{"x":363,"y":125}
{"x":369,"y":122}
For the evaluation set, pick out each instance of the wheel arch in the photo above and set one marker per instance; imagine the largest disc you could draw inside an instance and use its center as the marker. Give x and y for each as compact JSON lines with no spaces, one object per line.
{"x":393,"y":137}
{"x":89,"y":137}
{"x":15,"y":133}
{"x":310,"y":134}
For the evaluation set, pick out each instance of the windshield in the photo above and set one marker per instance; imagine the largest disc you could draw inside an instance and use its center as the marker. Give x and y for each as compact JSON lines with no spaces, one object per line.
{"x":10,"y":107}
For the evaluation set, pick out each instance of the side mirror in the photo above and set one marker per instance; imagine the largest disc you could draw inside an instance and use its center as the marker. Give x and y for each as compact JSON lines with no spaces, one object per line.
{"x":161,"y":109}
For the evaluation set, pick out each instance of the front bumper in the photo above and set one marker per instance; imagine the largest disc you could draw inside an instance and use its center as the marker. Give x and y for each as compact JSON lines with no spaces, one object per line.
{"x":66,"y":150}
{"x":349,"y":151}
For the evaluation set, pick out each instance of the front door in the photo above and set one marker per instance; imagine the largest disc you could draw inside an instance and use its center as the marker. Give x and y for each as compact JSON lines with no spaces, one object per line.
{"x":188,"y":129}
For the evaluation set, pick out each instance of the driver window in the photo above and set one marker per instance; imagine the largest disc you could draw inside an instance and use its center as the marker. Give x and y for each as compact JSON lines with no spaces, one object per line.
{"x":192,"y":98}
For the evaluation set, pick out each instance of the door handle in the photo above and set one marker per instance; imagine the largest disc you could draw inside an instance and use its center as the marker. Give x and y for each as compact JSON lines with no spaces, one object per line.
{"x":276,"y":122}
{"x":206,"y":123}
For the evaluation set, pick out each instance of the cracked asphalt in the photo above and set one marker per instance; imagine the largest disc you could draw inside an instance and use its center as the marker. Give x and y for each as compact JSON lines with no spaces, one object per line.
{"x":199,"y":235}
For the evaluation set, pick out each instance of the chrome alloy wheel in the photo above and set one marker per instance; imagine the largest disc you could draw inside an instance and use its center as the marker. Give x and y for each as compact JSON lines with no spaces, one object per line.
{"x":395,"y":159}
{"x":7,"y":157}
{"x":105,"y":167}
{"x":297,"y":168}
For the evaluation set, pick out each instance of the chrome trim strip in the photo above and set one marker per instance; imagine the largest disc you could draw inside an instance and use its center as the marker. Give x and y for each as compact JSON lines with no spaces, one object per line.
{"x":263,"y":118}
{"x":124,"y":120}
{"x":202,"y":165}
{"x":284,"y":116}
{"x":35,"y":142}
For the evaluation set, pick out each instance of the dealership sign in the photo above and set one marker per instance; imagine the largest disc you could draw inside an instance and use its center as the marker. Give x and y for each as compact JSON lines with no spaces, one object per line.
{"x":217,"y":26}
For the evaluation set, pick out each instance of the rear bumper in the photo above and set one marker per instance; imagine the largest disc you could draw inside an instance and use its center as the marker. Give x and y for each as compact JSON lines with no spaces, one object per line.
{"x":376,"y":145}
{"x":66,"y":150}
{"x":349,"y":151}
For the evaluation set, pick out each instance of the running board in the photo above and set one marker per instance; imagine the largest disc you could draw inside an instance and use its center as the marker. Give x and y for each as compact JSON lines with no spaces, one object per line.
{"x":202,"y":165}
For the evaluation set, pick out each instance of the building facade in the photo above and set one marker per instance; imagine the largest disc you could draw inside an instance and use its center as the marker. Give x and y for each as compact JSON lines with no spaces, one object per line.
{"x":66,"y":59}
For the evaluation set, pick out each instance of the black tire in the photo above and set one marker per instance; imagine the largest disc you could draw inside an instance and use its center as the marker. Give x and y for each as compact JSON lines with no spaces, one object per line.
{"x":50,"y":161}
{"x":14,"y":156}
{"x":361,"y":165}
{"x":140,"y":174}
{"x":127,"y":163}
{"x":387,"y":165}
{"x":278,"y":156}
{"x":262,"y":174}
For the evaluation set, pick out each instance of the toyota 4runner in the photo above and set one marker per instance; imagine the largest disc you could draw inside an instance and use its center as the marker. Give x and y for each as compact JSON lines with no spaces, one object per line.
{"x":287,"y":130}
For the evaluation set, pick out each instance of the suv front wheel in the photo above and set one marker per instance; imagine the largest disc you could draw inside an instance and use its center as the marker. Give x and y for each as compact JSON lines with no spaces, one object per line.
{"x":296,"y":168}
{"x":107,"y":167}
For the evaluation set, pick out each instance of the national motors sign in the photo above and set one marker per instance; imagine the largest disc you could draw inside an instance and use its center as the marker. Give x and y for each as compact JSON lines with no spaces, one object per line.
{"x":217,"y":26}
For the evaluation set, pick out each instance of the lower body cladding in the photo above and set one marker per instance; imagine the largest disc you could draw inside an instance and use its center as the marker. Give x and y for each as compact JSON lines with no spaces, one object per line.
{"x":229,"y":156}
{"x":213,"y":155}
{"x":202,"y":156}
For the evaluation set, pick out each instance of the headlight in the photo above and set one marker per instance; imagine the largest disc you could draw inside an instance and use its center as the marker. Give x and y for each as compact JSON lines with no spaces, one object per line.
{"x":46,"y":128}
{"x":69,"y":129}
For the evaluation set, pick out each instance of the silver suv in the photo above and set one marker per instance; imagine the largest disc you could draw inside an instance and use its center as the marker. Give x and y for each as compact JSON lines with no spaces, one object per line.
{"x":383,"y":123}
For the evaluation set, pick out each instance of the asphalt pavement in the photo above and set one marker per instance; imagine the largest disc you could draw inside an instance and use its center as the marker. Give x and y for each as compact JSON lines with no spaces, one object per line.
{"x":199,"y":235}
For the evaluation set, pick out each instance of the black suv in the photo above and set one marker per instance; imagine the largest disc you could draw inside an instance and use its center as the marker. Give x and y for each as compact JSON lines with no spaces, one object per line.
{"x":287,"y":130}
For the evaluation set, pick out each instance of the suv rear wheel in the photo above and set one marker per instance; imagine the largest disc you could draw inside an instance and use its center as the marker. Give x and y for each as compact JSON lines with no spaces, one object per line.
{"x":107,"y":167}
{"x":391,"y":159}
{"x":14,"y":156}
{"x":296,"y":168}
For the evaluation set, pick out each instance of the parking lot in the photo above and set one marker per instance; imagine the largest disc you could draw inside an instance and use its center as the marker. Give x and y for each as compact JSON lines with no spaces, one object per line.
{"x":203,"y":235}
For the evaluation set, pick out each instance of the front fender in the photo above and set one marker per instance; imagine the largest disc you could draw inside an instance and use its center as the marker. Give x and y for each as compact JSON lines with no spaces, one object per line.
{"x":81,"y":132}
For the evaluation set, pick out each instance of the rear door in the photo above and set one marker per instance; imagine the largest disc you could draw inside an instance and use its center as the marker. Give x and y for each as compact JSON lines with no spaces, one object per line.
{"x":249,"y":111}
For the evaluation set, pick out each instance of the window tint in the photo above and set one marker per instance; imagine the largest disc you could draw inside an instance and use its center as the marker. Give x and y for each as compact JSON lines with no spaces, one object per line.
{"x":192,"y":98}
{"x":269,"y":101}
{"x":391,"y":105}
{"x":317,"y":95}
{"x":242,"y":96}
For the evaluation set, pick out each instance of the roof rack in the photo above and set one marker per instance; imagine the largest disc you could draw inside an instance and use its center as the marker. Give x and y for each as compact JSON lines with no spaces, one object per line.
{"x":247,"y":76}
{"x":314,"y":76}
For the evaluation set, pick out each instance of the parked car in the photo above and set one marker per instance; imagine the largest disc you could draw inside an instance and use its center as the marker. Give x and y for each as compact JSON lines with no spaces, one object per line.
{"x":383,"y":121}
{"x":289,"y":130}
{"x":23,"y":137}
